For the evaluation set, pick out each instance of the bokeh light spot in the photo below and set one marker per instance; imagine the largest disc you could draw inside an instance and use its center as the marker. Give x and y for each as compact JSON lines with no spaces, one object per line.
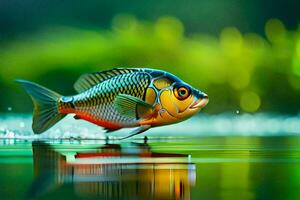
{"x":231,"y":41}
{"x":124,"y":23}
{"x":275,"y":30}
{"x":169,"y":29}
{"x":241,"y":80}
{"x":250,"y":101}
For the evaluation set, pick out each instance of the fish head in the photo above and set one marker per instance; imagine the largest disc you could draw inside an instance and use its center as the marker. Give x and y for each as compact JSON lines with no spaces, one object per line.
{"x":175,"y":99}
{"x":182,"y":101}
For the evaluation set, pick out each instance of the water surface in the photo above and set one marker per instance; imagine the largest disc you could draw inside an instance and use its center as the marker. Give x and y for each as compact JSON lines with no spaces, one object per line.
{"x":237,"y":167}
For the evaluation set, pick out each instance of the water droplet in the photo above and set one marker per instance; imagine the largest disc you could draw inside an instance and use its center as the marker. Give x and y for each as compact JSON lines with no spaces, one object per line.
{"x":9,"y":108}
{"x":237,"y":112}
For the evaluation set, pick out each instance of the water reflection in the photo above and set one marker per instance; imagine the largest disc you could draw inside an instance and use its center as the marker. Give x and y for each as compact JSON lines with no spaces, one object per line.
{"x":112,"y":171}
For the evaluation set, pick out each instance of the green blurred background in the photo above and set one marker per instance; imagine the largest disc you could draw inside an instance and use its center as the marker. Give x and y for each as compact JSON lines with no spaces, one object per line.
{"x":244,"y":54}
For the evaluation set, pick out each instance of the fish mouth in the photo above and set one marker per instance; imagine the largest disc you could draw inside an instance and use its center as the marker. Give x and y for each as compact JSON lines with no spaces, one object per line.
{"x":200,"y":103}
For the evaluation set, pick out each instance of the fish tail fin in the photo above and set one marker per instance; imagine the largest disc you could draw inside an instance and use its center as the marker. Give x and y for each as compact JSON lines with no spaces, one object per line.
{"x":46,"y":112}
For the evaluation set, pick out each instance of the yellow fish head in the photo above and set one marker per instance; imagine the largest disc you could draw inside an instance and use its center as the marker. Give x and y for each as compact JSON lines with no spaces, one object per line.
{"x":182,"y":101}
{"x":174,"y":99}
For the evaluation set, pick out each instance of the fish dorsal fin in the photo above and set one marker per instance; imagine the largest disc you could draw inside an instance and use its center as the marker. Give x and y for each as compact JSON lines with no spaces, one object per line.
{"x":87,"y":81}
{"x":132,"y":107}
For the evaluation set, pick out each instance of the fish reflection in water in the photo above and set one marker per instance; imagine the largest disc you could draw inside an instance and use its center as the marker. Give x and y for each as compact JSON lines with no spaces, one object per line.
{"x":113,"y":172}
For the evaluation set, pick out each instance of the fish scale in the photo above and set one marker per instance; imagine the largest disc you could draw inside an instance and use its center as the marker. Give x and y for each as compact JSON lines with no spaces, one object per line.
{"x":98,"y":102}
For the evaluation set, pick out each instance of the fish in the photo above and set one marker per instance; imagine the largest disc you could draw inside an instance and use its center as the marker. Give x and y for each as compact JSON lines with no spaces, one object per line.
{"x":118,"y":98}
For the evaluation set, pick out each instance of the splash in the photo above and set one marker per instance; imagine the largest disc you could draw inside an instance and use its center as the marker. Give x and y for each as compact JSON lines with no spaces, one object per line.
{"x":18,"y":126}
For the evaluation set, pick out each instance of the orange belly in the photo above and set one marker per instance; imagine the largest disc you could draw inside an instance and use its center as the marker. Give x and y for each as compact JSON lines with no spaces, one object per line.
{"x":99,"y":122}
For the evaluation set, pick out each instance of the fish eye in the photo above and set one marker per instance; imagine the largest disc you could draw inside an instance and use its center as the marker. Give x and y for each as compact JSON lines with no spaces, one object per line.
{"x":182,"y":92}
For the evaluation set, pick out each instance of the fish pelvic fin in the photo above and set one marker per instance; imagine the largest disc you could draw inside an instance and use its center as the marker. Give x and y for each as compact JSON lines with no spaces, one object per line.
{"x":137,"y":131}
{"x":46,"y":112}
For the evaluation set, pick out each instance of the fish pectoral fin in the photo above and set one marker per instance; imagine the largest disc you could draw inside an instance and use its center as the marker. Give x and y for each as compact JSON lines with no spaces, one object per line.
{"x":132,"y":107}
{"x":139,"y":130}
